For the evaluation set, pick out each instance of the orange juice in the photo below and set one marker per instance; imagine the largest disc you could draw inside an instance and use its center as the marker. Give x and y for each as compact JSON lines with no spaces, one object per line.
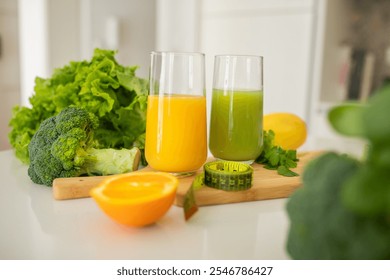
{"x":176,"y":138}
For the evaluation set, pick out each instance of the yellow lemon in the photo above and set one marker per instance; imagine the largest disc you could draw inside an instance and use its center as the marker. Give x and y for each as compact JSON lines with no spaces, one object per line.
{"x":290,"y":130}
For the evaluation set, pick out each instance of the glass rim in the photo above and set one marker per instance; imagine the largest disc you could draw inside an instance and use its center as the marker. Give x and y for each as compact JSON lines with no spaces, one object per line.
{"x":239,"y":55}
{"x":180,"y":53}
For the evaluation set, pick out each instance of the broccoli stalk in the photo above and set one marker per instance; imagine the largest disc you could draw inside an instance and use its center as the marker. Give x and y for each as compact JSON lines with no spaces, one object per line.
{"x":109,"y":161}
{"x":64,"y":146}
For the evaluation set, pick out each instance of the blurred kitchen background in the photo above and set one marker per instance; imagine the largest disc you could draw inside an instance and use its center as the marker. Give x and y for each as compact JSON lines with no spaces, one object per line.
{"x":317,"y":53}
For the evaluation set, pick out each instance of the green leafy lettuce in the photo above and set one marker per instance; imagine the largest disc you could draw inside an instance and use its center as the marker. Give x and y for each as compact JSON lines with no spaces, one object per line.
{"x":103,"y":87}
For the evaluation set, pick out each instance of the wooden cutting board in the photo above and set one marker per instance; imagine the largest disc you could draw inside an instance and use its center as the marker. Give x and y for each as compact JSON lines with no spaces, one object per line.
{"x":267,"y":184}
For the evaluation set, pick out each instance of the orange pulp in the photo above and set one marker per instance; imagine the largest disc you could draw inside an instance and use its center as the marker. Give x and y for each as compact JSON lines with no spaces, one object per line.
{"x":137,"y":198}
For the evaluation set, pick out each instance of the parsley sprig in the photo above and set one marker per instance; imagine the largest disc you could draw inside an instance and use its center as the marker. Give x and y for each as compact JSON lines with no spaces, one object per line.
{"x":276,"y":158}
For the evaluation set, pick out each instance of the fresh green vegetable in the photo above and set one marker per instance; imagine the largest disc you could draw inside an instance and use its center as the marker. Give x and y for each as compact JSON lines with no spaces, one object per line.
{"x":343,"y":209}
{"x":346,"y":119}
{"x":64,"y":146}
{"x":275,"y":158}
{"x":110,"y":91}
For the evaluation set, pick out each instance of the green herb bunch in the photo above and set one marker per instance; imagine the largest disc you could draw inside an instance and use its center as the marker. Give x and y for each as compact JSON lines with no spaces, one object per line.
{"x":276,"y":158}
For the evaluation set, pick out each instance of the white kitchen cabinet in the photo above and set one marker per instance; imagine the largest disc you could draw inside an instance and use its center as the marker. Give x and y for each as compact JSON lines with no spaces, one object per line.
{"x":125,"y":25}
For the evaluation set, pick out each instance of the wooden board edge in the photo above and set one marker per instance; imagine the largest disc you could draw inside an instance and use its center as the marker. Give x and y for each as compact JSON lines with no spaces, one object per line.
{"x":203,"y":198}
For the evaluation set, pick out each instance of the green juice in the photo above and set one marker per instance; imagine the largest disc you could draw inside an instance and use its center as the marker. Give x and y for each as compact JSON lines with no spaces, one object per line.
{"x":236,"y":124}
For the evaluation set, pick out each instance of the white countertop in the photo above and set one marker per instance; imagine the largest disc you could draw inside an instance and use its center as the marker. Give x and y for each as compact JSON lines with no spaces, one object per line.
{"x":35,"y":226}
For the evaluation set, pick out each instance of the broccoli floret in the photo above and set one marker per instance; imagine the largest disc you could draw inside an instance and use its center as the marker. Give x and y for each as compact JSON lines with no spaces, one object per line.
{"x":64,"y":146}
{"x":322,"y":226}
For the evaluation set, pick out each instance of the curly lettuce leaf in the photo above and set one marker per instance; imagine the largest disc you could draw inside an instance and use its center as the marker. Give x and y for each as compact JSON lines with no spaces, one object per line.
{"x":103,"y":87}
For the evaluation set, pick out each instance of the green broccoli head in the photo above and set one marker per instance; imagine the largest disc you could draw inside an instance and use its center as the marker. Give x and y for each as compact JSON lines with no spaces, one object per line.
{"x":343,"y":209}
{"x":313,"y":208}
{"x":39,"y":150}
{"x":323,"y":226}
{"x":75,"y":134}
{"x":64,"y":146}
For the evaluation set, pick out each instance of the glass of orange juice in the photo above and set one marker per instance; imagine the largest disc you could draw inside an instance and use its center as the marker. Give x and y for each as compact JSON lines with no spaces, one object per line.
{"x":176,"y":132}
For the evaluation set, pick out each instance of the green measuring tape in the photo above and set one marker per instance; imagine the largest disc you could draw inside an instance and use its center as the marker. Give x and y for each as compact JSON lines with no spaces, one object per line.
{"x":228,"y":175}
{"x":222,"y":175}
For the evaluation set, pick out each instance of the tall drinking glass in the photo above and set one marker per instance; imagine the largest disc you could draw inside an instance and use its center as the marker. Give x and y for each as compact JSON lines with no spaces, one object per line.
{"x":236,"y":124}
{"x":176,"y":132}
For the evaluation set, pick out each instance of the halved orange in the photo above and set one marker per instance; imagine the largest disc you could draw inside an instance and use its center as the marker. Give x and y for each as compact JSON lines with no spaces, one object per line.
{"x":136,"y":199}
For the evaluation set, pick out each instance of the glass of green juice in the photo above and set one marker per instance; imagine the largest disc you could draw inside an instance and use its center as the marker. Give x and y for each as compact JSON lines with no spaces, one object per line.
{"x":236,"y":122}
